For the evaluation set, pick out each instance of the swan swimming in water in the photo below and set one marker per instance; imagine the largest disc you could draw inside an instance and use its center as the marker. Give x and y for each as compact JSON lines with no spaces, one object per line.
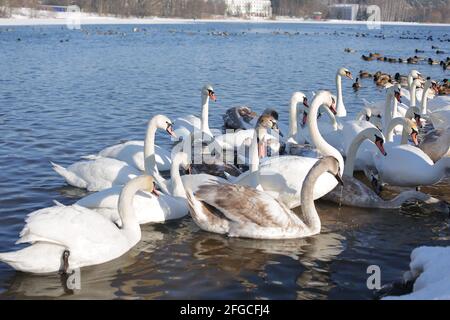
{"x":354,"y":193}
{"x":148,"y":207}
{"x":132,"y":152}
{"x":185,"y":126}
{"x":240,"y":211}
{"x":64,"y":237}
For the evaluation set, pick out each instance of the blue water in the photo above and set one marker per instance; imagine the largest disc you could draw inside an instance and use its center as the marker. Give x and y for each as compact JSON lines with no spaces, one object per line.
{"x":65,"y":94}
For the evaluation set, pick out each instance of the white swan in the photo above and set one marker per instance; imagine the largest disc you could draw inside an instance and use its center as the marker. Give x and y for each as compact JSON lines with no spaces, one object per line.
{"x":148,"y":207}
{"x":185,"y":126}
{"x":408,"y":166}
{"x":340,"y":107}
{"x":132,"y":152}
{"x":64,"y":237}
{"x":103,"y":173}
{"x":282,"y":177}
{"x":239,"y":211}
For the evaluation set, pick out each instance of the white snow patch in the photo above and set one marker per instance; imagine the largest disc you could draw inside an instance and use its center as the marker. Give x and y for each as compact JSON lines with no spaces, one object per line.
{"x":432,"y":266}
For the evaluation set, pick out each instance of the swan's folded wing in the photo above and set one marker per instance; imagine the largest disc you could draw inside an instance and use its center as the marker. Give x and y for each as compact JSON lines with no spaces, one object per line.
{"x":71,"y":226}
{"x":245,"y":205}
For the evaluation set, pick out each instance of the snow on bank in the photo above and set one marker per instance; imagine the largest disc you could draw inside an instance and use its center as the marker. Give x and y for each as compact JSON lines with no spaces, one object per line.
{"x":432,"y":267}
{"x":29,"y":17}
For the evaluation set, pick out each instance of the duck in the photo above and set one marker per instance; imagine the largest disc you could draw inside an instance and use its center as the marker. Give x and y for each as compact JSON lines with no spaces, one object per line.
{"x":132,"y":152}
{"x":433,"y":62}
{"x":64,"y":238}
{"x":103,"y":173}
{"x":148,"y":207}
{"x":239,"y":118}
{"x":242,"y":211}
{"x":185,"y":126}
{"x":365,"y":74}
{"x":356,"y":86}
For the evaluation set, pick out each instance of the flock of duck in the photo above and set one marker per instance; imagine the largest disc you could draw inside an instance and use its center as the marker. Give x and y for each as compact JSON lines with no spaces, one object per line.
{"x":252,"y":193}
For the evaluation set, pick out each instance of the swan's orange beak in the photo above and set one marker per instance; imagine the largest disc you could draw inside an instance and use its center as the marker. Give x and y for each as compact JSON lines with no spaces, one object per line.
{"x":170,"y":131}
{"x":154,"y":191}
{"x":333,"y":107}
{"x":262,"y":152}
{"x":212,"y":96}
{"x":305,"y":119}
{"x":398,"y":96}
{"x":349,"y":75}
{"x":305,"y":102}
{"x":414,"y":135}
{"x":380,"y":144}
{"x":417,"y":118}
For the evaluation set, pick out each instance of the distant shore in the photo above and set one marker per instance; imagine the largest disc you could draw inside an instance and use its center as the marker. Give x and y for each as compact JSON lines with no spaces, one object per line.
{"x":24,"y":19}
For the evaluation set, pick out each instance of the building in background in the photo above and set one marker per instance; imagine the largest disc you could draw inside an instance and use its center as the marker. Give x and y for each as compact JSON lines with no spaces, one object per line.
{"x":254,"y":8}
{"x":343,"y":11}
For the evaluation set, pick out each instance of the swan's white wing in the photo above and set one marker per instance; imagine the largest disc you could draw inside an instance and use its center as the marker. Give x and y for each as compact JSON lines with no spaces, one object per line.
{"x":245,"y":205}
{"x":147,"y":207}
{"x":103,"y":173}
{"x":69,"y":226}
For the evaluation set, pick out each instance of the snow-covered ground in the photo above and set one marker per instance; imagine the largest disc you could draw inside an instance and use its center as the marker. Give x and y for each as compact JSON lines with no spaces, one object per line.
{"x":432,"y":267}
{"x":26,"y":16}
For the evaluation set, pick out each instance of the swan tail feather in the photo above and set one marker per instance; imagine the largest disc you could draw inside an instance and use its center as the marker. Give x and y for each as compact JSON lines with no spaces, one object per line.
{"x":203,"y":217}
{"x":70,"y":177}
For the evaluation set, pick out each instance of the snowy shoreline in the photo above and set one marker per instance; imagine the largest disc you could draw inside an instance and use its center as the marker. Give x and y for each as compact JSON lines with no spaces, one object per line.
{"x":22,"y":18}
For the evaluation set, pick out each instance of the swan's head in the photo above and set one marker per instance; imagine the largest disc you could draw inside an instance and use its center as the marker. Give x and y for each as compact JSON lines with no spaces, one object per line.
{"x":415,"y":74}
{"x":333,"y":167}
{"x":164,"y":123}
{"x":344,"y":72}
{"x":208,"y":91}
{"x":183,"y":161}
{"x":300,"y":97}
{"x":414,"y":114}
{"x":418,"y":83}
{"x":147,"y":183}
{"x":414,"y":131}
{"x":268,"y":121}
{"x":396,"y":91}
{"x":367,"y":113}
{"x":379,"y":142}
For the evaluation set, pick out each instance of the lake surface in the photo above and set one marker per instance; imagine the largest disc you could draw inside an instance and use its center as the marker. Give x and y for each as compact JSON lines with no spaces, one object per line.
{"x":65,"y":94}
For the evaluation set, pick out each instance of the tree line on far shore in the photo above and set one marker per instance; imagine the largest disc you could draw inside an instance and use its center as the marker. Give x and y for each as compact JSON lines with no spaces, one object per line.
{"x":437,"y":11}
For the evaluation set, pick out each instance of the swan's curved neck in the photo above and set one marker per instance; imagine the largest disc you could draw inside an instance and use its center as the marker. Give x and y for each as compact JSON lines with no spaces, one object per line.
{"x":150,"y":165}
{"x":130,"y":224}
{"x":412,"y":93}
{"x":293,"y":118}
{"x":353,"y":150}
{"x":309,"y":213}
{"x":177,"y":183}
{"x":399,"y":121}
{"x":205,"y":114}
{"x":149,"y":148}
{"x":254,"y":160}
{"x":316,"y":138}
{"x":340,"y":107}
{"x":388,"y":110}
{"x":424,"y":102}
